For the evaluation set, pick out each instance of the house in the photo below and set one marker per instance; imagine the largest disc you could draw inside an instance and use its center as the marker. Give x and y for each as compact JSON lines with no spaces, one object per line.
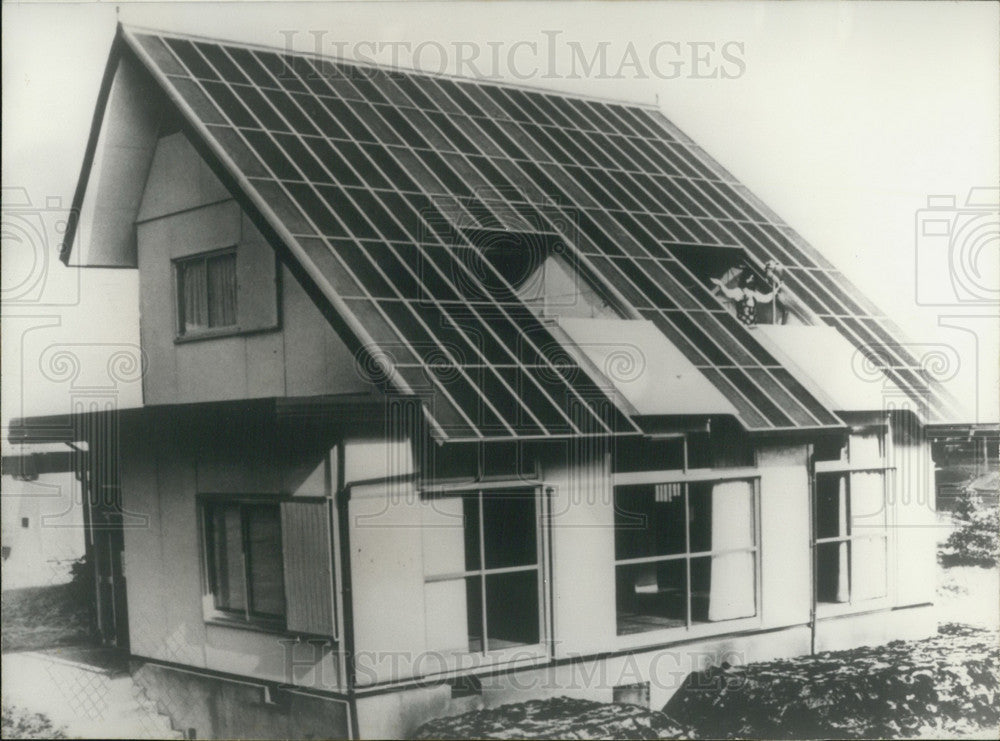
{"x":459,"y":392}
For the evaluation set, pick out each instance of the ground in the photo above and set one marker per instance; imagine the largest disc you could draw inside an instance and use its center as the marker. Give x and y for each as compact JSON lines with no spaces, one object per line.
{"x":43,"y":617}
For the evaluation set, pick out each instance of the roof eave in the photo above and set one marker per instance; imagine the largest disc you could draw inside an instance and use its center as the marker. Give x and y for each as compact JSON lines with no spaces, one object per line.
{"x":114,"y":57}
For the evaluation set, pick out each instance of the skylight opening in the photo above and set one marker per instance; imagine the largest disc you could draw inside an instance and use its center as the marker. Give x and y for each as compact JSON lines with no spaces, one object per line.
{"x":541,"y":272}
{"x":752,"y":294}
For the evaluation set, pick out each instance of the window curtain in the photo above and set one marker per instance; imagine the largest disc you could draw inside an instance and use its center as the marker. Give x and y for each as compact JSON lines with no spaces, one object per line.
{"x":843,"y":575}
{"x":222,"y":291}
{"x":731,"y":594}
{"x":446,"y":615}
{"x":194,"y":285}
{"x":264,"y":560}
{"x":227,"y":552}
{"x":868,"y":562}
{"x":867,"y":502}
{"x":868,"y":569}
{"x":445,"y":605}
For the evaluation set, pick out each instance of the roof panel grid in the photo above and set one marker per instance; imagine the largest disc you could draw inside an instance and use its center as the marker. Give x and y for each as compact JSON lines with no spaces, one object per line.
{"x":338,"y":149}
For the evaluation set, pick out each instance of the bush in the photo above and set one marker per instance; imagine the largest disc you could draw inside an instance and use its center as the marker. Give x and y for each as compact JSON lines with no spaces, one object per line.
{"x":81,"y":573}
{"x":930,"y":688}
{"x":976,"y":541}
{"x":19,"y":723}
{"x":556,"y":717}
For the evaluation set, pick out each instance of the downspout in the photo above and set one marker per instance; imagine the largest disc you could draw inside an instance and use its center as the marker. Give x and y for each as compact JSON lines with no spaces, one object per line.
{"x":810,"y":468}
{"x":342,"y":495}
{"x":80,"y":473}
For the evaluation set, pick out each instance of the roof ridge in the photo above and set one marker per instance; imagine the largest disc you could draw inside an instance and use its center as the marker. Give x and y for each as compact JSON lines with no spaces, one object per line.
{"x":408,"y":70}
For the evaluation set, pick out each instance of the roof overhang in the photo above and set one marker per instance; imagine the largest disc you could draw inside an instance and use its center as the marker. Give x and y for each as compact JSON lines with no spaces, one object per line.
{"x":116,"y":164}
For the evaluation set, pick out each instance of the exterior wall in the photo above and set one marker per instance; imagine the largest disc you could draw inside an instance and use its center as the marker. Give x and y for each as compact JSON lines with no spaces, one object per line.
{"x":582,"y":537}
{"x":913,"y":525}
{"x":286,"y":348}
{"x":165,"y":465}
{"x":874,"y":628}
{"x":218,"y":708}
{"x":387,"y":578}
{"x":387,"y":566}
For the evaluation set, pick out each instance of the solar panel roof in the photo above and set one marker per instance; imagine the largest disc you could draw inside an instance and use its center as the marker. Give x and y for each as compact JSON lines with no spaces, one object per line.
{"x":377,"y":178}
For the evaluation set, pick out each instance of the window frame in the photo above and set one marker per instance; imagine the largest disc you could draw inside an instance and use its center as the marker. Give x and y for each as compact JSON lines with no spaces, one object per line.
{"x":691,"y":629}
{"x":541,"y":649}
{"x":685,"y":443}
{"x":845,"y":467}
{"x":213,"y":614}
{"x":451,"y":480}
{"x":177,"y":265}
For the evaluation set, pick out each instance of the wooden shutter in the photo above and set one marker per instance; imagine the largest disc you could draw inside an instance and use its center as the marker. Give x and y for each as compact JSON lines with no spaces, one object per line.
{"x":308,"y":557}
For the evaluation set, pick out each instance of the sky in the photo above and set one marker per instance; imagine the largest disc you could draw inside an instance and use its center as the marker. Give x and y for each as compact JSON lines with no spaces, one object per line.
{"x":843,"y":117}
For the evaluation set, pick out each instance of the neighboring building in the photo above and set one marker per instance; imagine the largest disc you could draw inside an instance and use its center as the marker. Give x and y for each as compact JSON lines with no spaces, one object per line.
{"x":967,"y":459}
{"x":443,"y":406}
{"x":42,"y":516}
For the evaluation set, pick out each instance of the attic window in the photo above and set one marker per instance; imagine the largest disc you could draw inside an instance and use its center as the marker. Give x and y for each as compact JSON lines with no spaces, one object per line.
{"x":755,"y":298}
{"x":206,"y":293}
{"x":752,"y":294}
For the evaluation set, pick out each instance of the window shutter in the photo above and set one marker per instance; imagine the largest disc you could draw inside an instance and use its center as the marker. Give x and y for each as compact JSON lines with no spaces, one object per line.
{"x":305,"y":532}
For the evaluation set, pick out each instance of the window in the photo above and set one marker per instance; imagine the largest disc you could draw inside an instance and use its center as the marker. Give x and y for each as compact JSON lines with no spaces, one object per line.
{"x":631,"y":694}
{"x":25,"y":522}
{"x":482,"y":573}
{"x":647,"y":454}
{"x":725,"y":446}
{"x":685,"y":553}
{"x":849,"y":520}
{"x":244,"y":560}
{"x":206,"y":293}
{"x":473,"y":462}
{"x":753,"y":293}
